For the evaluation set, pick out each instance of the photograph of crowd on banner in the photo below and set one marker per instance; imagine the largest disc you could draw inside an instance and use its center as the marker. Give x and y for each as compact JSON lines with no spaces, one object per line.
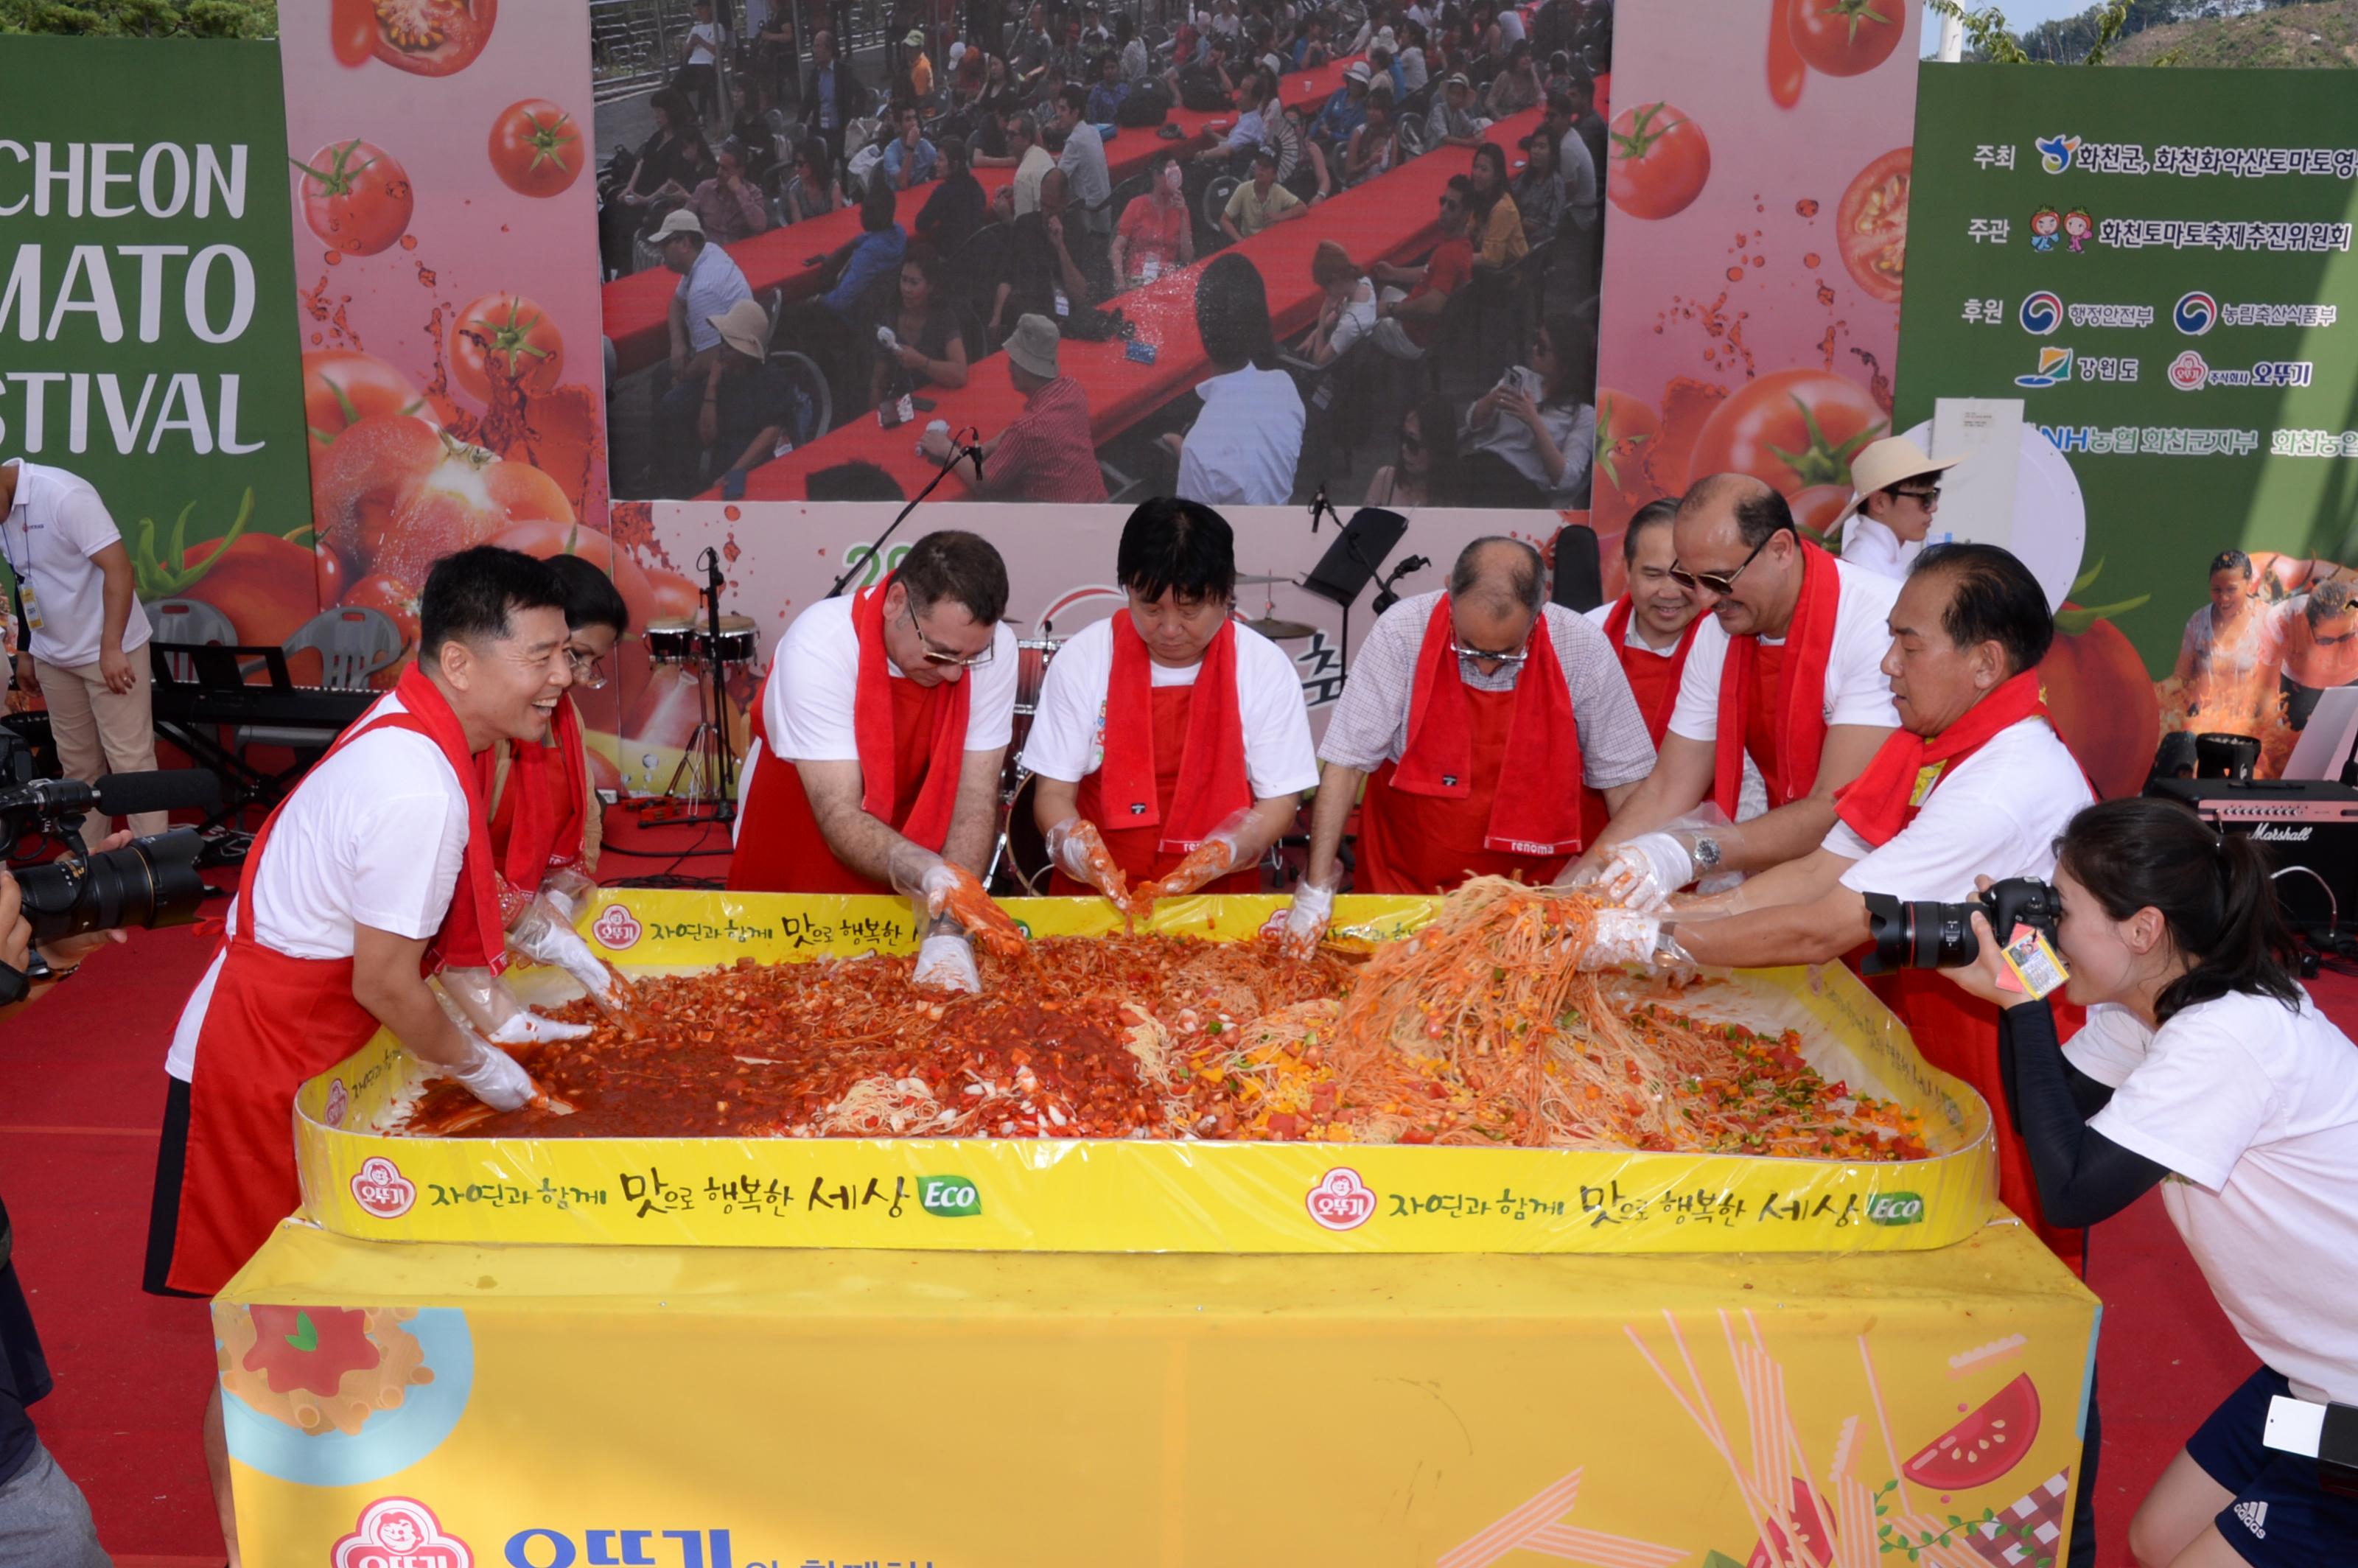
{"x":1241,"y":253}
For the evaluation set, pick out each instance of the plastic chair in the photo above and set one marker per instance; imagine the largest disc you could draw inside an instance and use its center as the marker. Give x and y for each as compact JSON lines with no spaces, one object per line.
{"x":353,"y":644}
{"x":1216,"y":203}
{"x":811,"y":382}
{"x":1579,"y":576}
{"x":189,"y":620}
{"x":973,"y":269}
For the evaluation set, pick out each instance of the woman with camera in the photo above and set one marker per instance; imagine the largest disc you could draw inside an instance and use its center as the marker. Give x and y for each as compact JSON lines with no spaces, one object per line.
{"x":2203,"y":1067}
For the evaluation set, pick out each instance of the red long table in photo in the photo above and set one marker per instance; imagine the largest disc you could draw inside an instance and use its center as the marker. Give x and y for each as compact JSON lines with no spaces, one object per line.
{"x":637,"y":309}
{"x":1387,"y":219}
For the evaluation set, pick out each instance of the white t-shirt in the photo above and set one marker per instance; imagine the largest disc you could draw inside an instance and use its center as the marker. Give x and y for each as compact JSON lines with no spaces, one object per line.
{"x":1997,"y":814}
{"x":53,"y":528}
{"x":1510,"y":26}
{"x":703,"y":43}
{"x":2255,"y":1109}
{"x":1067,"y":739}
{"x":373,"y":836}
{"x":1869,"y":544}
{"x":1856,"y":692}
{"x":807,"y":706}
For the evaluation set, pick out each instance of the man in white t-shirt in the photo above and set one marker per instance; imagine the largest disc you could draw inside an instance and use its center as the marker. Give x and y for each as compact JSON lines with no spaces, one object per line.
{"x":378,"y":865}
{"x":877,"y":747}
{"x":1172,"y":745}
{"x":1791,"y":660}
{"x":1891,"y":512}
{"x":81,"y":631}
{"x":1976,"y":784}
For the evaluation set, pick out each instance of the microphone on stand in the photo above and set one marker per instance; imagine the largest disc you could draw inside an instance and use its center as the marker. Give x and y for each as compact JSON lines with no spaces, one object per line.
{"x":974,"y":451}
{"x":1318,"y":505}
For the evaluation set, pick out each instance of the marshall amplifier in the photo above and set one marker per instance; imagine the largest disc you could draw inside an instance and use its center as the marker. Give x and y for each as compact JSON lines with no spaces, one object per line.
{"x":2309,"y":829}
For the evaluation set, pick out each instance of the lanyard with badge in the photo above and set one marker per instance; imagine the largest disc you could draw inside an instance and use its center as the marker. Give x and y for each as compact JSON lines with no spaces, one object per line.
{"x":20,"y":569}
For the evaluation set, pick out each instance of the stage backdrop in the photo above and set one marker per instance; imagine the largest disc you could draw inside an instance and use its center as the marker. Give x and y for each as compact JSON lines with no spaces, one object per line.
{"x":1755,"y":249}
{"x":146,"y":309}
{"x":2156,"y":263}
{"x":445,"y":262}
{"x":780,"y":557}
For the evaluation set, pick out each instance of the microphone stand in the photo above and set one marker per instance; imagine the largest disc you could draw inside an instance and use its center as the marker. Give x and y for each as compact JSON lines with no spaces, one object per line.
{"x":876,"y":551}
{"x":708,"y":750}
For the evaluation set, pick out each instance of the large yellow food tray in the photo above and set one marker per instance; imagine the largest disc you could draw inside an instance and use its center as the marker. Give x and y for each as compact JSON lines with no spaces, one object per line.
{"x":1135,"y":1195}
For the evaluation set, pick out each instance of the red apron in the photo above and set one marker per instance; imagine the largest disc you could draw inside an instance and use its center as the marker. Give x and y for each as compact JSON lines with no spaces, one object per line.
{"x":1139,"y":850}
{"x":779,"y":846}
{"x":1958,"y":1034}
{"x":541,"y":820}
{"x":1653,"y":677}
{"x":1424,"y":843}
{"x":273,"y":1024}
{"x":1760,"y":718}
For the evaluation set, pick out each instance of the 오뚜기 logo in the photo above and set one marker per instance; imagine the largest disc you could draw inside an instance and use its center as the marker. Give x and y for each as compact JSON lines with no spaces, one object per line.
{"x":2054,"y":369}
{"x":400,"y":1532}
{"x":2041,"y":313}
{"x":1341,"y":1201}
{"x":2056,"y":154}
{"x":2190,"y":372}
{"x":379,"y":1187}
{"x":340,"y":1102}
{"x":2194,"y":313}
{"x":617,"y":929}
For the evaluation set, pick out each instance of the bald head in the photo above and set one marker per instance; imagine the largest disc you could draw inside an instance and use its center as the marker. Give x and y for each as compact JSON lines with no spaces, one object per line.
{"x":1499,"y":576}
{"x":1755,"y":508}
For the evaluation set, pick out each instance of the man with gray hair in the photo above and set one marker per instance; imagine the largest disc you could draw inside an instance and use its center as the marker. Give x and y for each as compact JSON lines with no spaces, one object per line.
{"x":1475,"y":718}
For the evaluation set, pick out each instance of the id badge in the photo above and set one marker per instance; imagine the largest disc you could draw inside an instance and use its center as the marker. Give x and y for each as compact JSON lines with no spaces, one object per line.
{"x":1064,"y":305}
{"x":32,"y":604}
{"x":2031,"y":964}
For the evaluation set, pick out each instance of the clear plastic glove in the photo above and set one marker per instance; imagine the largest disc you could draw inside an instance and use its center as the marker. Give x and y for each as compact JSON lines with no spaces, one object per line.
{"x":936,"y":888}
{"x":492,"y":1076}
{"x":570,"y":891}
{"x":1628,"y":939}
{"x":1078,"y":850}
{"x":1642,"y":873}
{"x":1216,"y":857}
{"x":544,"y":937}
{"x":480,"y":999}
{"x":1306,"y":921}
{"x":946,"y":962}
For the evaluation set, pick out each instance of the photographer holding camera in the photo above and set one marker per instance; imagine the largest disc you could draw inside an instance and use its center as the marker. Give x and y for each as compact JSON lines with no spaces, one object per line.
{"x":44,"y":1520}
{"x":2203,"y":1062}
{"x":1976,"y":781}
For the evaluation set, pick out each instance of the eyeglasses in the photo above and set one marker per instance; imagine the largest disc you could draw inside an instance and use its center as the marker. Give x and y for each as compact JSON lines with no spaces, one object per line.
{"x":1714,"y":583}
{"x":941,"y":660}
{"x":2330,"y":642}
{"x":1507,"y":662}
{"x":589,"y":669}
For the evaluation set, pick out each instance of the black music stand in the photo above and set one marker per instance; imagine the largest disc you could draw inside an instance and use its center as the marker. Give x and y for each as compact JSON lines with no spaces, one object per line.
{"x":1579,"y":573}
{"x":221,"y":672}
{"x":1352,"y":561}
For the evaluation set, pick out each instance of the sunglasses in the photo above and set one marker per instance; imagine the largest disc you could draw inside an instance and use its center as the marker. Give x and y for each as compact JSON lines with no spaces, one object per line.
{"x":1719,"y":585}
{"x":2330,"y":642}
{"x":589,"y":669}
{"x":1925,"y":495}
{"x":942,"y":660}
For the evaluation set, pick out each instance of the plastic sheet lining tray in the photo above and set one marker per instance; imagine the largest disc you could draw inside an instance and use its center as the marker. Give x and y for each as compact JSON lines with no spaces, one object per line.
{"x":1135,"y":1195}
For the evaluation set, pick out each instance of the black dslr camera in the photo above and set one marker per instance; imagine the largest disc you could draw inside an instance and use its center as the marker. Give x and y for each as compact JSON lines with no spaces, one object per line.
{"x":1941,"y":935}
{"x":149,"y":883}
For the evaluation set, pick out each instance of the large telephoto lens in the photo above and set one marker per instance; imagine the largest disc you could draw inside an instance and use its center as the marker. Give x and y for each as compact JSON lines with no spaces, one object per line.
{"x":149,"y":883}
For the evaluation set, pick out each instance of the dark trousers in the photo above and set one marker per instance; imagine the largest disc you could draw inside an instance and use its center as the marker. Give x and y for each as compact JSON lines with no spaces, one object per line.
{"x":701,"y":82}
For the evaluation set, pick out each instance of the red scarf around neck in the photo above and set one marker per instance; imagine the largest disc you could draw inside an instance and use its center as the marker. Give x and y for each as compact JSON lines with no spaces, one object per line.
{"x":1800,"y":721}
{"x":1213,"y":783}
{"x":473,"y":935}
{"x":1536,"y":810}
{"x":1907,"y":767}
{"x":542,"y":817}
{"x":871,"y":726}
{"x":1617,"y":632}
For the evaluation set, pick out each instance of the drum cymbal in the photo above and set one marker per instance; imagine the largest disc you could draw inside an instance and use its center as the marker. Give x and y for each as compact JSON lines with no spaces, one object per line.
{"x":1260,"y":581}
{"x":1278,"y":631}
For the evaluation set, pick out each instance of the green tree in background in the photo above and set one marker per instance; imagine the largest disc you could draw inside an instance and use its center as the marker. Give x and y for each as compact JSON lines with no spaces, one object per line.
{"x":2089,"y":38}
{"x":143,"y":18}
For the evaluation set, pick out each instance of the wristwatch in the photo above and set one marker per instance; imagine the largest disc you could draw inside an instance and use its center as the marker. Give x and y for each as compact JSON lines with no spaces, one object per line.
{"x":1706,"y":853}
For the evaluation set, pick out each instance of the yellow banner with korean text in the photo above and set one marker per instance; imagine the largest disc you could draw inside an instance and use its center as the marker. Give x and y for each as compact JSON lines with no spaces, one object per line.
{"x":1021,"y":1194}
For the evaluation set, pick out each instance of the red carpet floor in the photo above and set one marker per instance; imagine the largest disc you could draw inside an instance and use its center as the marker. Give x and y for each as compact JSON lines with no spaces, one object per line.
{"x":82,"y":1090}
